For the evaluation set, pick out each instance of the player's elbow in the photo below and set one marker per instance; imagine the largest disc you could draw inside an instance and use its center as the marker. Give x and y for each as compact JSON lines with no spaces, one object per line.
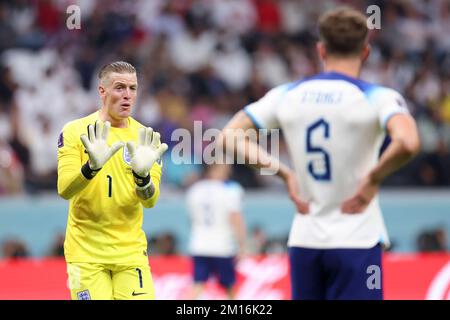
{"x":64,"y":194}
{"x":411,"y":145}
{"x":63,"y":191}
{"x":149,"y":203}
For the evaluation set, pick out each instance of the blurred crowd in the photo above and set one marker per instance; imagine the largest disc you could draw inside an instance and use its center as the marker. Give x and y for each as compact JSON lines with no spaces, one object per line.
{"x":201,"y":60}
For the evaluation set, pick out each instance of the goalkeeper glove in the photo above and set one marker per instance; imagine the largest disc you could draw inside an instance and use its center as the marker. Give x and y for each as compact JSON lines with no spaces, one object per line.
{"x":143,"y":156}
{"x":97,"y":148}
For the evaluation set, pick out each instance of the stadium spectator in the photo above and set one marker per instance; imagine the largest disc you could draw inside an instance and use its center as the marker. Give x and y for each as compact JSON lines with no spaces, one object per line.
{"x":265,"y":41}
{"x":163,"y":244}
{"x":14,"y":248}
{"x":57,"y":247}
{"x":257,"y":242}
{"x":11,"y":170}
{"x":434,"y":240}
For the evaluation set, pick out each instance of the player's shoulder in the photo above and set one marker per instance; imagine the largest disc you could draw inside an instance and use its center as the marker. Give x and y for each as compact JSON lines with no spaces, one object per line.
{"x":233,"y":186}
{"x":80,"y":123}
{"x":277,"y":92}
{"x":382,"y":95}
{"x":378,"y":89}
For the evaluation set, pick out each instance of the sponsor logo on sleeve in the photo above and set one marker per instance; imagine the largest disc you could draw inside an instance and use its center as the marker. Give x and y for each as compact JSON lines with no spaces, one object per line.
{"x":61,"y":140}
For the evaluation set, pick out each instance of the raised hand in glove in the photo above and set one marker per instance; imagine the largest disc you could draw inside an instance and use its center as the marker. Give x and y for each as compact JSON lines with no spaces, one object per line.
{"x":97,"y":148}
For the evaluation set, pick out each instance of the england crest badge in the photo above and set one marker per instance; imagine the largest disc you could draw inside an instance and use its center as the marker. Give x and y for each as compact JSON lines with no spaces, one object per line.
{"x":126,"y":155}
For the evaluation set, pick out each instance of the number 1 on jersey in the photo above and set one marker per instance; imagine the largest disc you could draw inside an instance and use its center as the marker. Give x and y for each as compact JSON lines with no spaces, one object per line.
{"x":325,"y":174}
{"x":109,"y":186}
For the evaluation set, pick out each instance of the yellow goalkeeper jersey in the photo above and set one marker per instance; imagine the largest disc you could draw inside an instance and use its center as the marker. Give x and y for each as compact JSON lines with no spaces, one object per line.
{"x":105,"y":218}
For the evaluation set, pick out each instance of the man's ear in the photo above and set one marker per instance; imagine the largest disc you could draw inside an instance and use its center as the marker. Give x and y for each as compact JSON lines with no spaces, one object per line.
{"x":365,"y":52}
{"x":321,"y":51}
{"x":101,"y":90}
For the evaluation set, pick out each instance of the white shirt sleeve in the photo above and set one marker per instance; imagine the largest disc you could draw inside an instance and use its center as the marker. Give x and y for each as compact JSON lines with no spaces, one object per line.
{"x":263,"y":111}
{"x":389,"y":102}
{"x":235,"y":196}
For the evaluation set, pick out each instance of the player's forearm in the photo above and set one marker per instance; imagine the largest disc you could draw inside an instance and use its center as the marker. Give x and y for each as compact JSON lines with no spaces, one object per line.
{"x":241,"y":148}
{"x":405,"y":144}
{"x":241,"y":235}
{"x":69,"y":184}
{"x":147,"y":200}
{"x":71,"y":178}
{"x":398,"y":153}
{"x":239,"y":230}
{"x":146,"y":191}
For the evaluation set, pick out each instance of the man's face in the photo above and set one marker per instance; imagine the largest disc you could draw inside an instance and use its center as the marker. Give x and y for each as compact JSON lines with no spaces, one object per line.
{"x":118,"y":93}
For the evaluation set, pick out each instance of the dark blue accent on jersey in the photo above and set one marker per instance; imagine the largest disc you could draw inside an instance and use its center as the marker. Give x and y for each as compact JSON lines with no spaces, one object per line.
{"x":334,"y":274}
{"x":223,"y":268}
{"x":386,"y":142}
{"x":362,"y":85}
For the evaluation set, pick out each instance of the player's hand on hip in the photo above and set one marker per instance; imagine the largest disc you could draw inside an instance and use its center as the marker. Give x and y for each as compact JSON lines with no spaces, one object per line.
{"x":362,"y":197}
{"x":96,"y":144}
{"x":146,"y":152}
{"x":293,"y":191}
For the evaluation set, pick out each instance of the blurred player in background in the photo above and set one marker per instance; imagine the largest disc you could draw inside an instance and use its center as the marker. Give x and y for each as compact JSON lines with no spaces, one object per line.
{"x":105,"y":247}
{"x":334,"y":125}
{"x":217,"y":228}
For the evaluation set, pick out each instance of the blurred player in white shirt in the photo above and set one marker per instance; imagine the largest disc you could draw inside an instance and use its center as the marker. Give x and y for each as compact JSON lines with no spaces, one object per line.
{"x":217,"y":228}
{"x":334,"y":125}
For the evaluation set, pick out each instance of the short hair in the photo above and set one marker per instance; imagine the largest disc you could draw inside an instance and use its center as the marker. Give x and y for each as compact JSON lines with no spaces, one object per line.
{"x":343,"y":31}
{"x":118,"y":67}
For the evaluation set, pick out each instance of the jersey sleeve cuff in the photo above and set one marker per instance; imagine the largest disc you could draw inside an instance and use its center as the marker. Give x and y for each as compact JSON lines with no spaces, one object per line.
{"x":141,"y":181}
{"x":252,"y":117}
{"x":389,"y":116}
{"x":87,"y":172}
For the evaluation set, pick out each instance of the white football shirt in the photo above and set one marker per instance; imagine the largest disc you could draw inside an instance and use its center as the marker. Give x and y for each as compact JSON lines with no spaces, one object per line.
{"x":209,"y":204}
{"x":334,"y":126}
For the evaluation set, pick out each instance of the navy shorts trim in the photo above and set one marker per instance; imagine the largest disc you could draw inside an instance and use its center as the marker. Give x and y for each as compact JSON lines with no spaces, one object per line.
{"x":336,"y":274}
{"x":222,"y":268}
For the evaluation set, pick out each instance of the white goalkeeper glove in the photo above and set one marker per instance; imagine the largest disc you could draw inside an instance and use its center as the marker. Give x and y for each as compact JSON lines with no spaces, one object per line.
{"x":148,"y":150}
{"x":97,"y":148}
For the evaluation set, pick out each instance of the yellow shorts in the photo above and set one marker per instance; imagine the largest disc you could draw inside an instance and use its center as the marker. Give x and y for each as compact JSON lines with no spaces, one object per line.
{"x":95,"y":281}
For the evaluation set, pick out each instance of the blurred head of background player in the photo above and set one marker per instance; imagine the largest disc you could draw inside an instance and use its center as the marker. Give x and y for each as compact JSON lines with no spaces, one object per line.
{"x":117,"y":89}
{"x":220,"y":172}
{"x":343,"y":45}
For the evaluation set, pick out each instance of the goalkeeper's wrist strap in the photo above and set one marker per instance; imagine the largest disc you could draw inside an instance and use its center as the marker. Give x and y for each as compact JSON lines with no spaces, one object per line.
{"x":141,"y":181}
{"x":87,"y":172}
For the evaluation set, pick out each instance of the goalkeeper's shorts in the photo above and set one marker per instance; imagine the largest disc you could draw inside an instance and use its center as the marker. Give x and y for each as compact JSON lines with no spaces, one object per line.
{"x":110,"y":282}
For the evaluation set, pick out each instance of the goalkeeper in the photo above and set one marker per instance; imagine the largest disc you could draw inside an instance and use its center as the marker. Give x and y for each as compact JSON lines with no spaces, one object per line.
{"x":109,"y":168}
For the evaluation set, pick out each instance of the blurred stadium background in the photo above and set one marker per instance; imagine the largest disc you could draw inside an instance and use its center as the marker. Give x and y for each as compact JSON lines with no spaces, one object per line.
{"x":202,"y":60}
